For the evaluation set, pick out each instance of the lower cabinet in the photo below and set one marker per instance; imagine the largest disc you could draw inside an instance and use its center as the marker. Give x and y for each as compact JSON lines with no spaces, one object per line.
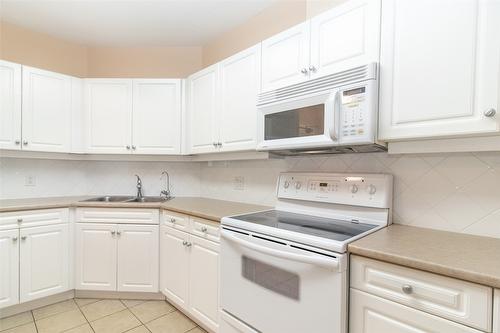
{"x":116,"y":257}
{"x":496,"y":312}
{"x":190,"y":274}
{"x":9,"y":267}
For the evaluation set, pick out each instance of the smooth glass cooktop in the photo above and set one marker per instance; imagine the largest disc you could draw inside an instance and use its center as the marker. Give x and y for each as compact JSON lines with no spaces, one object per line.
{"x":306,"y":224}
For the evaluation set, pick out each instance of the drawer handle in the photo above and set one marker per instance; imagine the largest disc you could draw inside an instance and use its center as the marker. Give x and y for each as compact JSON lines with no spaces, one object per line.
{"x":204,"y":229}
{"x":19,"y":220}
{"x":407,"y":289}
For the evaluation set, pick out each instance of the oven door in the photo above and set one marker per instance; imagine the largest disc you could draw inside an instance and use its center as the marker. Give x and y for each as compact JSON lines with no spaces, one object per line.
{"x":275,"y":286}
{"x":307,"y":122}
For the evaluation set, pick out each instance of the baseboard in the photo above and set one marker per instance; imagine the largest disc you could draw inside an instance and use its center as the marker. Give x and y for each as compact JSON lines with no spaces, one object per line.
{"x":118,"y":295}
{"x":38,"y":303}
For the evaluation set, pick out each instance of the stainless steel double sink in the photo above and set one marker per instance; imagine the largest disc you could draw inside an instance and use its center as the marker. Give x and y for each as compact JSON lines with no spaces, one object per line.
{"x":122,"y":198}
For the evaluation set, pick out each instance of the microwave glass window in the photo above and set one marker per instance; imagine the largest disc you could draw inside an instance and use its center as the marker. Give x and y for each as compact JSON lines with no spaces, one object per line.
{"x":306,"y":121}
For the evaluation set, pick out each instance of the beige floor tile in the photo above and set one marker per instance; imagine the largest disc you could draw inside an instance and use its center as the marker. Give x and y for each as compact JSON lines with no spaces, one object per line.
{"x":61,"y":322}
{"x":116,"y":323}
{"x":102,"y":308}
{"x":140,"y":329}
{"x":26,"y":328}
{"x":54,"y":309}
{"x":150,"y":310}
{"x":81,"y":329}
{"x":174,"y":322}
{"x":132,"y":302}
{"x":16,"y":320}
{"x":198,"y":330}
{"x":85,"y":301}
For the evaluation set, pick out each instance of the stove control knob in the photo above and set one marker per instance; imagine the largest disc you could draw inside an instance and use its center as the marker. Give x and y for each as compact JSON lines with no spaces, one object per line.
{"x":371,"y":189}
{"x":353,"y":188}
{"x":286,"y":184}
{"x":298,"y":185}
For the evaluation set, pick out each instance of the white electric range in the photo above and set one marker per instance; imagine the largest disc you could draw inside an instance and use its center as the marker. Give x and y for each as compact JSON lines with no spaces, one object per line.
{"x":286,"y":269}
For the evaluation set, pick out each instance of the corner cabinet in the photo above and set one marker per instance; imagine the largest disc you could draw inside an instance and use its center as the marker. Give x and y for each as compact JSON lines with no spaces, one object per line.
{"x":140,"y":116}
{"x":439,"y":66}
{"x":222,"y":104}
{"x":10,"y":105}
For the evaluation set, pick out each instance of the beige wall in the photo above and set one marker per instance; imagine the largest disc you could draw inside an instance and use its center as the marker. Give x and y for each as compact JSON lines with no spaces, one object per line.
{"x":152,"y":62}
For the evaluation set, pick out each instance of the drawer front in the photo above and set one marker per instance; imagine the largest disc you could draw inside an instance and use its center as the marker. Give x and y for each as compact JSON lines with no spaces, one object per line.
{"x":175,"y":220}
{"x":118,"y":215}
{"x":33,"y":218}
{"x":205,"y":228}
{"x":457,"y":300}
{"x":372,"y":314}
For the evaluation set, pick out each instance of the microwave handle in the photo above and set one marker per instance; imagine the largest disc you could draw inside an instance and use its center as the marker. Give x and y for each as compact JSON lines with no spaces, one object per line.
{"x":332,"y":105}
{"x":326,"y":263}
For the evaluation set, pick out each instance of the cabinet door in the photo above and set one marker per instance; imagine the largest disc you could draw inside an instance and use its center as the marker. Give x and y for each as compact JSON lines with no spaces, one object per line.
{"x":344,"y":37}
{"x":204,"y":281}
{"x":371,"y":314}
{"x":46,"y":111}
{"x":174,"y":267}
{"x":108,"y":108}
{"x":95,"y":254}
{"x":285,"y":57}
{"x":202,"y":104}
{"x":138,"y":258}
{"x":44,"y":261}
{"x":496,"y":312}
{"x":156,"y":125}
{"x":10,"y":105}
{"x":240,"y":85}
{"x":439,"y":67}
{"x":9,"y":267}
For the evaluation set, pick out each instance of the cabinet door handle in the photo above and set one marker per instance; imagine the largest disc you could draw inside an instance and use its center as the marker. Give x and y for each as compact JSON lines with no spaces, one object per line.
{"x":19,"y":220}
{"x":119,"y":233}
{"x":312,"y":69}
{"x":23,"y":238}
{"x":188,"y":244}
{"x":14,"y":239}
{"x":184,"y":243}
{"x":219,"y":144}
{"x":407,"y":289}
{"x":204,"y":229}
{"x":490,"y":113}
{"x":214,"y":144}
{"x":128,"y":147}
{"x":25,"y":142}
{"x":113,"y":232}
{"x":134,"y":147}
{"x":172,"y":220}
{"x":304,"y":71}
{"x":17,"y":142}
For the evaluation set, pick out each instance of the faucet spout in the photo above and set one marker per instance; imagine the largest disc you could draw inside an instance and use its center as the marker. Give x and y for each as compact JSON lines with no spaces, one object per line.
{"x":165,"y":193}
{"x":139,"y":187}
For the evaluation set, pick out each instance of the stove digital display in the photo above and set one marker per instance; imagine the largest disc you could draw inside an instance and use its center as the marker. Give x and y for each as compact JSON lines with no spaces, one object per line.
{"x":323,"y":184}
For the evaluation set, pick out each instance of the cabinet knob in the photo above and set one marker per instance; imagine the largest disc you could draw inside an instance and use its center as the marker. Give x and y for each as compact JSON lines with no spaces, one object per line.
{"x":204,"y":229}
{"x":490,"y":113}
{"x":23,"y":237}
{"x":133,"y":147}
{"x":25,"y":142}
{"x":304,"y":71}
{"x":215,"y":144}
{"x":407,"y":289}
{"x":17,"y":142}
{"x":172,"y":220}
{"x":188,"y":244}
{"x":119,"y":233}
{"x":113,"y":232}
{"x":312,"y":69}
{"x":184,"y":243}
{"x":128,"y":147}
{"x":19,"y":220}
{"x":219,"y":144}
{"x":14,"y":239}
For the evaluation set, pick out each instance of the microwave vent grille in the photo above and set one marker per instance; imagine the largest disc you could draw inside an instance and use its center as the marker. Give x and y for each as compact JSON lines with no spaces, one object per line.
{"x":319,"y":85}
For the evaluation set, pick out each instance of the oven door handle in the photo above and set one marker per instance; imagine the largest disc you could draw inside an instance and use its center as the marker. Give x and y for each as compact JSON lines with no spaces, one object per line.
{"x":323,"y":262}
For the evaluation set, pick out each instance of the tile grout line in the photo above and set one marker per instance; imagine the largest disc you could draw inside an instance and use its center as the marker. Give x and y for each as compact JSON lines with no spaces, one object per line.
{"x":133,"y":314}
{"x":34,"y":321}
{"x":83,"y":314}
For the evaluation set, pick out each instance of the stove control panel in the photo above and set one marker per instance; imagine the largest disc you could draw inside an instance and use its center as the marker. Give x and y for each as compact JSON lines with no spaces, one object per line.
{"x":370,"y":190}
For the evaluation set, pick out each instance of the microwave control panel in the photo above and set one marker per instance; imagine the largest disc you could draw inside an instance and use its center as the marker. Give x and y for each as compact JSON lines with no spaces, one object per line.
{"x":356,"y":106}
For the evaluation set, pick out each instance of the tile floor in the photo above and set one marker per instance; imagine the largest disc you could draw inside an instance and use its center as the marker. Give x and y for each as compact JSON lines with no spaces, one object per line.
{"x":82,"y":315}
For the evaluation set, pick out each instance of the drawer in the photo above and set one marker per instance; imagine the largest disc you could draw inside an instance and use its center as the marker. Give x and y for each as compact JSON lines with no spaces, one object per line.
{"x":457,"y":300}
{"x":175,"y":220}
{"x":118,"y":215}
{"x":205,"y":229}
{"x":33,"y":218}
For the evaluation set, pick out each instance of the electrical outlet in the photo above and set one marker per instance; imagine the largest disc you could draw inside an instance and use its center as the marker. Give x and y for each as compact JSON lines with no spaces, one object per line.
{"x":239,"y":183}
{"x":30,"y":180}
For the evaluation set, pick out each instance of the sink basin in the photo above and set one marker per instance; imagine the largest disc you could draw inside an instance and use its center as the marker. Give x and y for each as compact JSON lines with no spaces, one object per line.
{"x":148,"y":199}
{"x":110,"y":198}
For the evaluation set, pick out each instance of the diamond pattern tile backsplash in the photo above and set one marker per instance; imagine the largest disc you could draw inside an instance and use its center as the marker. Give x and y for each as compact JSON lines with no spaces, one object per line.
{"x":455,"y":192}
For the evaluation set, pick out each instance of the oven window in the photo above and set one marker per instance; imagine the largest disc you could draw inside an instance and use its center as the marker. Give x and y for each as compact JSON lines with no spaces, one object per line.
{"x":305,"y":121}
{"x":273,"y":278}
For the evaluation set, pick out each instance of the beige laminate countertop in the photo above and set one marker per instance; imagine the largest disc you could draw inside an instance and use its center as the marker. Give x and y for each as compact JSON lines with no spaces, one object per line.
{"x":206,"y":208}
{"x":462,"y":256}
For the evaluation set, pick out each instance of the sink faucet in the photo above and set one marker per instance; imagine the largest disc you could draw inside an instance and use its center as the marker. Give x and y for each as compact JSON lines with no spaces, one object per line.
{"x":139,"y":187}
{"x":165,"y":193}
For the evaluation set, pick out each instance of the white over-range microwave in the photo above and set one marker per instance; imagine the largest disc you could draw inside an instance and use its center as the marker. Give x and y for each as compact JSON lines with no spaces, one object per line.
{"x":336,"y":113}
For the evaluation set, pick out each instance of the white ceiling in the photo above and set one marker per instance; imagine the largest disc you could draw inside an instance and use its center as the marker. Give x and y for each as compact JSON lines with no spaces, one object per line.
{"x":132,"y":22}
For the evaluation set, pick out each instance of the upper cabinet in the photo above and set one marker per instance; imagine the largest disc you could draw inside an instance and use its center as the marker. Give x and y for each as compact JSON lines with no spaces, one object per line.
{"x":222,"y":104}
{"x":439,"y":68}
{"x":10,"y":105}
{"x":343,"y":37}
{"x":133,"y":116}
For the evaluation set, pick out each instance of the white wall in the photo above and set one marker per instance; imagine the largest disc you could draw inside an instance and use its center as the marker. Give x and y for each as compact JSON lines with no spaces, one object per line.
{"x":457,"y":192}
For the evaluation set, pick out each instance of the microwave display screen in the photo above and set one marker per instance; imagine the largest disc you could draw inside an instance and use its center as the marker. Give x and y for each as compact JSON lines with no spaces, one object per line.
{"x":354,"y":91}
{"x":306,"y":121}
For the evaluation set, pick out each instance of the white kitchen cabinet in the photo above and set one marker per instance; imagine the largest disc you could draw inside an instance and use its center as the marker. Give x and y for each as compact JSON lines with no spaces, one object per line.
{"x":203,"y":104}
{"x":372,"y":314}
{"x":46,"y":110}
{"x":156,"y":116}
{"x":44,"y":261}
{"x":137,"y":258}
{"x":496,"y":312}
{"x":108,"y":109}
{"x":204,"y":281}
{"x":346,"y":36}
{"x":439,"y":68}
{"x":96,"y":256}
{"x":285,"y":57}
{"x":10,"y":105}
{"x":9,"y":267}
{"x":174,"y":257}
{"x":239,"y":87}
